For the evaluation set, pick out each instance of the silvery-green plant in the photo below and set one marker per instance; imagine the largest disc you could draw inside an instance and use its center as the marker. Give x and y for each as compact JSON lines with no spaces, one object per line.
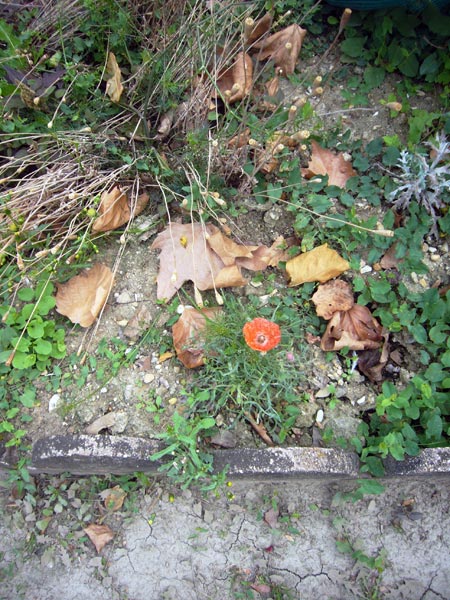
{"x":424,"y":179}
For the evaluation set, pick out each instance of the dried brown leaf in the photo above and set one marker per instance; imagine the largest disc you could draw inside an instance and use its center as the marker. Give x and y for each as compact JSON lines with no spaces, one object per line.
{"x":115,"y":211}
{"x":114,"y":87}
{"x":82,"y":297}
{"x":261,"y":27}
{"x":235,"y":82}
{"x":282,"y":48}
{"x":333,"y":297}
{"x":389,"y":259}
{"x":103,"y":422}
{"x":99,"y":535}
{"x":356,"y":329}
{"x":113,"y":498}
{"x":187,"y":335}
{"x":204,"y":255}
{"x":273,"y":86}
{"x":326,"y":162}
{"x":271,"y":517}
{"x":240,"y":140}
{"x":320,"y":264}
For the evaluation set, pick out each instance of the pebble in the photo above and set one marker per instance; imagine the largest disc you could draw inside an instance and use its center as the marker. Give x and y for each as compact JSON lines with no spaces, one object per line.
{"x":435,"y":258}
{"x":54,"y":402}
{"x":365,"y":269}
{"x":320,"y":415}
{"x":124,"y":298}
{"x":148,"y":378}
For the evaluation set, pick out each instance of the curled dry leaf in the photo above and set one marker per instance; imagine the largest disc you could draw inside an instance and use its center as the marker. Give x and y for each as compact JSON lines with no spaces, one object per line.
{"x":115,"y":211}
{"x":333,"y":297}
{"x":326,"y":162}
{"x":282,"y":48}
{"x":103,"y":422}
{"x":240,"y":140}
{"x":187,"y":335}
{"x":82,"y":297}
{"x":372,"y":362}
{"x":320,"y":264}
{"x":99,"y":535}
{"x":114,"y":87}
{"x":260,"y":28}
{"x":355,"y":329}
{"x":235,"y":82}
{"x":271,"y":517}
{"x":113,"y":498}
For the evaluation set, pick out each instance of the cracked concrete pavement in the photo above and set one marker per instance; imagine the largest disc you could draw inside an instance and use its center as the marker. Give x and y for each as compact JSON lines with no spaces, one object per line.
{"x":266,"y":540}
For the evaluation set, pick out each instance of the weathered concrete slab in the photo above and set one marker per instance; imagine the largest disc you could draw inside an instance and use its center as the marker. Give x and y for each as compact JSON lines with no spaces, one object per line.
{"x":288,"y":462}
{"x":99,"y":454}
{"x":93,"y":454}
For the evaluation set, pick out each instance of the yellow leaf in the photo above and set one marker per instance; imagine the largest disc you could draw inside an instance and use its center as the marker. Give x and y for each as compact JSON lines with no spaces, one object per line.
{"x":114,"y":87}
{"x":320,"y":264}
{"x":165,"y":356}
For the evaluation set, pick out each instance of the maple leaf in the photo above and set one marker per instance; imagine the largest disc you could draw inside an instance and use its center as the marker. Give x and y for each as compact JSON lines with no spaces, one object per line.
{"x":99,"y":535}
{"x":282,"y":48}
{"x":187,"y":335}
{"x":82,"y":297}
{"x":326,"y":162}
{"x":114,"y":87}
{"x":320,"y":264}
{"x":204,"y":255}
{"x":115,"y":211}
{"x":235,"y":82}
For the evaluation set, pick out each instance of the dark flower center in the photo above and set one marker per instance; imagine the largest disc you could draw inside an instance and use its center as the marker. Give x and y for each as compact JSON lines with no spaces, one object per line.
{"x":261,"y":338}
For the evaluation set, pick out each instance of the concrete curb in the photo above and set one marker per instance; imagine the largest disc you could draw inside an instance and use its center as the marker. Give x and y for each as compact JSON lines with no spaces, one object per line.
{"x":99,"y":454}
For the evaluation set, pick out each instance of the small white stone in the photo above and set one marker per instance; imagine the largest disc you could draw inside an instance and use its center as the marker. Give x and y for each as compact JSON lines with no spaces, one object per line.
{"x":124,"y":298}
{"x":435,"y":258}
{"x":54,"y":402}
{"x":320,"y":415}
{"x":103,"y":390}
{"x":365,"y":269}
{"x":148,"y":377}
{"x":361,"y":400}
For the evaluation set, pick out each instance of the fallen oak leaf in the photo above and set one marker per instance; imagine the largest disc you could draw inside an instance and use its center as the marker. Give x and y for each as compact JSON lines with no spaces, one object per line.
{"x":187,"y":335}
{"x":282,"y":48}
{"x":320,"y":264}
{"x":99,"y":535}
{"x":326,"y":162}
{"x":114,"y":210}
{"x":114,"y":87}
{"x":82,"y":297}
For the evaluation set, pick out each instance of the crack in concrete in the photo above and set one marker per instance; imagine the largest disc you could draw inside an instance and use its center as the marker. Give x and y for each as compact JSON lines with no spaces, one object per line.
{"x":302,"y":578}
{"x":430,"y":589}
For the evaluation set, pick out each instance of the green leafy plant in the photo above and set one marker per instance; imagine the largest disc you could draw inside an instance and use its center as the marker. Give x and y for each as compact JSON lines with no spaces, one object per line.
{"x":187,"y":463}
{"x":244,"y":383}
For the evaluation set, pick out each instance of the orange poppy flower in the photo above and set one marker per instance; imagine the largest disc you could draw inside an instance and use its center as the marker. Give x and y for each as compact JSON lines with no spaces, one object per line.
{"x":261,"y":334}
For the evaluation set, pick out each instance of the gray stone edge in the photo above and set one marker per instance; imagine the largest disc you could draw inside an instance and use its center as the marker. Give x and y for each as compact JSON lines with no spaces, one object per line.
{"x":101,"y":454}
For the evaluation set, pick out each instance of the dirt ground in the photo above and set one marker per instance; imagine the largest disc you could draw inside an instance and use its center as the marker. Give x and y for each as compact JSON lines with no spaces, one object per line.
{"x":132,"y":309}
{"x":184,"y":546}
